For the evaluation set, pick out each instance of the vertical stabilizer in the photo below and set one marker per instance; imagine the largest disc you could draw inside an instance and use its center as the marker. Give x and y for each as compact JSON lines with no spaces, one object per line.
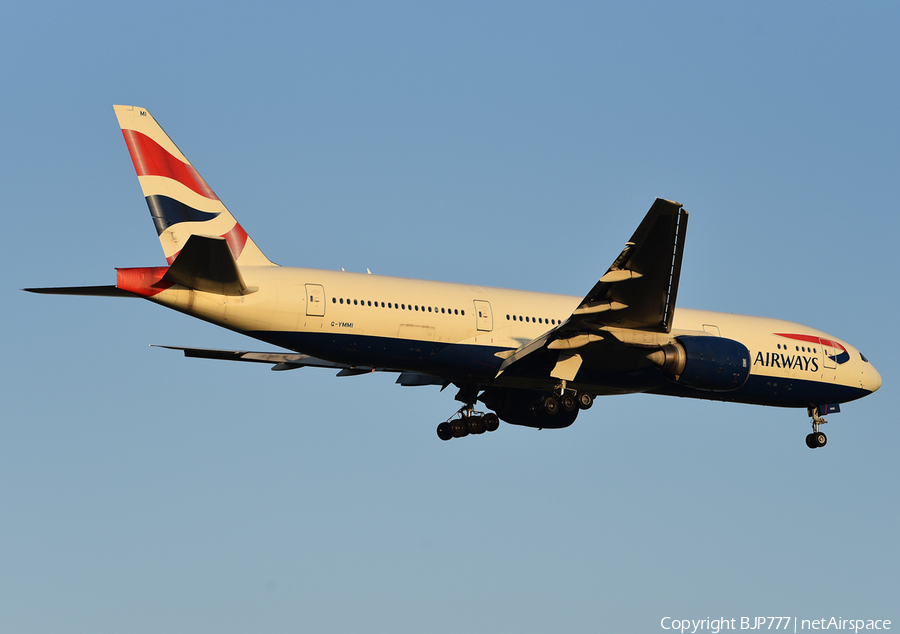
{"x":180,"y":201}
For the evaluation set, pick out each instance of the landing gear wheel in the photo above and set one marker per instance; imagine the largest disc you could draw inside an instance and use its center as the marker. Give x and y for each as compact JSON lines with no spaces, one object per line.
{"x":816,"y":438}
{"x":568,"y":402}
{"x":585,"y":400}
{"x":551,"y":405}
{"x":467,"y":421}
{"x":460,"y":427}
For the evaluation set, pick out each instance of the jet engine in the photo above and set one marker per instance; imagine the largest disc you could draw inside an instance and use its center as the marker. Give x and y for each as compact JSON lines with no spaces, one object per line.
{"x":710,"y":363}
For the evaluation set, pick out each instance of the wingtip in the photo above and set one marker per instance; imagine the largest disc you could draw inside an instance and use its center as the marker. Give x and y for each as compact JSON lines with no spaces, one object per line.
{"x":671,"y":202}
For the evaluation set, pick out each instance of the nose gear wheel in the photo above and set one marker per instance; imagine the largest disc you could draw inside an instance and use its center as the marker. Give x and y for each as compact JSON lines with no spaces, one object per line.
{"x":817,"y":438}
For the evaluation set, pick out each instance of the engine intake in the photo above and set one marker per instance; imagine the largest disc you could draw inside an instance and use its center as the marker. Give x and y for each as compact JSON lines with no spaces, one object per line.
{"x":704,"y":363}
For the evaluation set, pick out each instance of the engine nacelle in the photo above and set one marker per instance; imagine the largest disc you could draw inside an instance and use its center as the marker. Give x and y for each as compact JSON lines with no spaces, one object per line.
{"x":705,"y":363}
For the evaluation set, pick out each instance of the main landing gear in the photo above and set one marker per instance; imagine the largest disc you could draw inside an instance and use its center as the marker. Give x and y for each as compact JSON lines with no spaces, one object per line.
{"x":816,"y":438}
{"x":567,"y":401}
{"x":562,"y":398}
{"x":467,"y":421}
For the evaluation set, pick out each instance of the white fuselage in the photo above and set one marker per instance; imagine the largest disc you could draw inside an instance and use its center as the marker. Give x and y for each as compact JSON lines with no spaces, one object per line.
{"x":432,"y":327}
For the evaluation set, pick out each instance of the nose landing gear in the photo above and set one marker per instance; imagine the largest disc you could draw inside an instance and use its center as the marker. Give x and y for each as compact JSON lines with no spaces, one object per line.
{"x":817,"y":438}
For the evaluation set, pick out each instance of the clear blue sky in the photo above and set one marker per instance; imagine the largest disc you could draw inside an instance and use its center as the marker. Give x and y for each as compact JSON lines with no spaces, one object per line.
{"x":505,"y":144}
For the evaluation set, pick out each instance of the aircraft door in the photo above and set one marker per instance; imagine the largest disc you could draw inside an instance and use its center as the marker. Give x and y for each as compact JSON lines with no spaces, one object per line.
{"x":315,"y":300}
{"x":483,"y":318}
{"x":830,"y":350}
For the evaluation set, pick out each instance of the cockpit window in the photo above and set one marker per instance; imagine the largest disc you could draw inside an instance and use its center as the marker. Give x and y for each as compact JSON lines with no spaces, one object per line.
{"x":863,"y":357}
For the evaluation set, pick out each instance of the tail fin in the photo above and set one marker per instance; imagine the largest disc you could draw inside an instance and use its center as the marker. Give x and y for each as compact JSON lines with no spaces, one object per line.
{"x":180,"y":201}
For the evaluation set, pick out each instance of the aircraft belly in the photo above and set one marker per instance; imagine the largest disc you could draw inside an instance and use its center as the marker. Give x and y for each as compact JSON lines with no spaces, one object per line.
{"x":453,"y":361}
{"x":773,"y":391}
{"x":605,"y":375}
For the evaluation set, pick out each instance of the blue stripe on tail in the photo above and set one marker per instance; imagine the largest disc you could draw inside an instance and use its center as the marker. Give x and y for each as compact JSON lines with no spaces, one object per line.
{"x":168,"y":211}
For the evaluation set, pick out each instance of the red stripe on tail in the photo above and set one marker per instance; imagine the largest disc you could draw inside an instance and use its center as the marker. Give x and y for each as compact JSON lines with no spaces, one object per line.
{"x":236,"y":239}
{"x":150,"y":159}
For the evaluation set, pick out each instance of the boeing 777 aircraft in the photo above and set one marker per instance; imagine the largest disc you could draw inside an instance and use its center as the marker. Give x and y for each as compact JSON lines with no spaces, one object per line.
{"x":534,"y":359}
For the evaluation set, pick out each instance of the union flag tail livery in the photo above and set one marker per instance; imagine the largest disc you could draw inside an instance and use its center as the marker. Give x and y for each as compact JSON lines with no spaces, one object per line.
{"x":181,"y":203}
{"x":533,"y":359}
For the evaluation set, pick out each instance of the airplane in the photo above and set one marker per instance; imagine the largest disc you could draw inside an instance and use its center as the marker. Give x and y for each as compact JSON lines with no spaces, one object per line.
{"x":533,"y":359}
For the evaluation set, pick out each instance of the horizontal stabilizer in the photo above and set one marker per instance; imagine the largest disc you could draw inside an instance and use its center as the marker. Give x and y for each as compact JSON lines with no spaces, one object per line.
{"x":206,"y":264}
{"x":94,"y":291}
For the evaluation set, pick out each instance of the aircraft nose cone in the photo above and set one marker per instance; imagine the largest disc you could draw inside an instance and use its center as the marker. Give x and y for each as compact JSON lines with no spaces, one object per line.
{"x":873,"y":379}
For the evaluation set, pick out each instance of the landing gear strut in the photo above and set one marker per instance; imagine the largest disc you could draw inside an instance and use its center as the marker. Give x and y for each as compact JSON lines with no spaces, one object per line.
{"x":816,"y":438}
{"x":467,"y":421}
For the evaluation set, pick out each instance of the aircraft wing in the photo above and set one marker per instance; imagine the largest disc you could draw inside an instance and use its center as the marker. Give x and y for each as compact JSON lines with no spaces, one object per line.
{"x":638,"y":291}
{"x":292,"y":360}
